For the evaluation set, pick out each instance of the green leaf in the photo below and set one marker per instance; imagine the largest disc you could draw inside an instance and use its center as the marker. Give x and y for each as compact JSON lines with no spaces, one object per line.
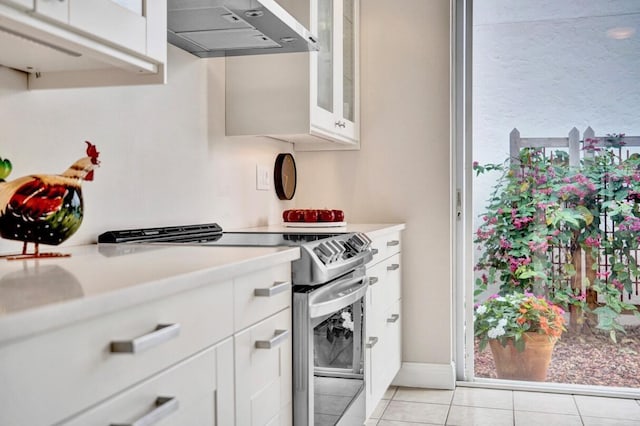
{"x":586,"y":214}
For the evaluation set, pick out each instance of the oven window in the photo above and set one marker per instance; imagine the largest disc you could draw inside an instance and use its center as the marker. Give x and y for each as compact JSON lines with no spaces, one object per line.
{"x":338,"y":362}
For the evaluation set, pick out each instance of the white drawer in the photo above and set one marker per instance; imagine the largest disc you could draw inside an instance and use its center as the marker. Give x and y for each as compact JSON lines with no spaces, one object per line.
{"x":263,"y":376}
{"x":384,"y":246}
{"x":65,"y":371}
{"x":190,"y":385}
{"x":261,"y":294}
{"x":383,"y":337}
{"x":384,"y":279}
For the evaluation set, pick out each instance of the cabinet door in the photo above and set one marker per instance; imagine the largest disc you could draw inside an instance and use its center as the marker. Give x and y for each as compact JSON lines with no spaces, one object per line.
{"x":323,"y":64}
{"x":263,"y":372}
{"x":182,"y":395}
{"x":349,"y":71}
{"x":111,"y":22}
{"x":335,"y":69}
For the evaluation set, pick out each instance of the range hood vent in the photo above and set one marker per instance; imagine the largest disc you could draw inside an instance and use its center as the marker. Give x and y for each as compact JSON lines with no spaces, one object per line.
{"x":213,"y":28}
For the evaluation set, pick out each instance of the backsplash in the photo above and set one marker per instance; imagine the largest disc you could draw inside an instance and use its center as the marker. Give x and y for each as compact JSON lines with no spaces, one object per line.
{"x":164,"y":156}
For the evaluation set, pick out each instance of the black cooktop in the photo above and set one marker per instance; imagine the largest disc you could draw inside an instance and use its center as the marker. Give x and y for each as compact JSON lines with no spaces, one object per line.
{"x":210,"y":234}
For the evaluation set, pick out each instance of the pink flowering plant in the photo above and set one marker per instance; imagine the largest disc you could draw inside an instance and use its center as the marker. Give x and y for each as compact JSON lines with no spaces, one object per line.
{"x":540,"y":204}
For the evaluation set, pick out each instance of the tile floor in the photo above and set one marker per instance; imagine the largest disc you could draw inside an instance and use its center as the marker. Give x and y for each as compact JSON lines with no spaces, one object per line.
{"x":491,"y":407}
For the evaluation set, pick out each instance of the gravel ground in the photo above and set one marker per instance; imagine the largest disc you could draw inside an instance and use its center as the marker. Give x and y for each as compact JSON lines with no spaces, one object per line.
{"x":590,"y":358}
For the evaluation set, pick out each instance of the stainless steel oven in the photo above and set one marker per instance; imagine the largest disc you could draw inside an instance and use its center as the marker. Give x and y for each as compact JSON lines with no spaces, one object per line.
{"x":328,"y":311}
{"x":328,"y":352}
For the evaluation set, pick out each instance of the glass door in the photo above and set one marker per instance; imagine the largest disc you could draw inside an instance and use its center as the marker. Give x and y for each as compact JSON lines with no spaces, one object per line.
{"x":325,"y":55}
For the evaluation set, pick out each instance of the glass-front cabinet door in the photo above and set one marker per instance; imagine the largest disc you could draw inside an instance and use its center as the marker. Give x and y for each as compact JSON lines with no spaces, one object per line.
{"x":334,"y":69}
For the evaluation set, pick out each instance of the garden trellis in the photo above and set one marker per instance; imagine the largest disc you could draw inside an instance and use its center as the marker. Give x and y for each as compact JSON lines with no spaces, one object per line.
{"x":559,"y":256}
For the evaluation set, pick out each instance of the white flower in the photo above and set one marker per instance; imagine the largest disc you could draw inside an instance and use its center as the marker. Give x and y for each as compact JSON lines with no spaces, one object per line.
{"x":502,"y":322}
{"x":495,"y":332}
{"x":481,"y":309}
{"x":500,"y":299}
{"x":346,"y":316}
{"x":348,"y":325}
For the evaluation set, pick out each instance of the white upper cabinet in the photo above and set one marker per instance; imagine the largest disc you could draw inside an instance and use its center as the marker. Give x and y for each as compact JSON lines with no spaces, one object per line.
{"x":77,"y":43}
{"x":333,"y":70}
{"x":310,"y":99}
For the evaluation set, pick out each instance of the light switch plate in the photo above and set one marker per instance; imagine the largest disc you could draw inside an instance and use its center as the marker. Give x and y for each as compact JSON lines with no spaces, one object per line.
{"x":263,"y":178}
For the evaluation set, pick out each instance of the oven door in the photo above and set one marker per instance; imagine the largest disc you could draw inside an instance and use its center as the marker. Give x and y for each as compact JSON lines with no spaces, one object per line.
{"x":329,"y":352}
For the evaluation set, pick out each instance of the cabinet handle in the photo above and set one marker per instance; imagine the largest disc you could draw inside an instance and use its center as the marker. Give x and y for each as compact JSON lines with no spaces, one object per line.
{"x":373,"y":280}
{"x":372,"y":342}
{"x":164,"y":406}
{"x":340,"y":124}
{"x":393,"y":267}
{"x":393,"y":318}
{"x":278,"y":337}
{"x":374,"y":251}
{"x":393,"y":243}
{"x":278,"y":287}
{"x":161,"y":334}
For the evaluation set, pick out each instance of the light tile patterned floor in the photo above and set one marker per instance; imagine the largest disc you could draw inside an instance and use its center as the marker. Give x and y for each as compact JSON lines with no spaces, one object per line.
{"x":491,"y":407}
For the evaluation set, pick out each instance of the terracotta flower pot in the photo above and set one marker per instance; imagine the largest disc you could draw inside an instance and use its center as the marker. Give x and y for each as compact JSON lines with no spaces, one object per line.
{"x":530,"y":364}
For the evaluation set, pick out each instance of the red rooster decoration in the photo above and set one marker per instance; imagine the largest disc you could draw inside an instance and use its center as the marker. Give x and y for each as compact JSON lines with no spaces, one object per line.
{"x":45,"y":209}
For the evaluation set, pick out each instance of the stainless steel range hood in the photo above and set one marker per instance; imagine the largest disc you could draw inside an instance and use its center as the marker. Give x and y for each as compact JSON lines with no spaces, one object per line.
{"x":212,"y":28}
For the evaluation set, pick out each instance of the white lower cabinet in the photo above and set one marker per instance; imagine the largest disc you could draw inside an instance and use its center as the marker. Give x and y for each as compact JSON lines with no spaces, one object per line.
{"x":383,"y":356}
{"x":263,"y":372}
{"x":190,"y":393}
{"x":219,"y":354}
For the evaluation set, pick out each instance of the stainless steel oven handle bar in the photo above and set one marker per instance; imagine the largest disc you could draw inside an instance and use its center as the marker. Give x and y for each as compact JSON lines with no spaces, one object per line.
{"x":338,"y":295}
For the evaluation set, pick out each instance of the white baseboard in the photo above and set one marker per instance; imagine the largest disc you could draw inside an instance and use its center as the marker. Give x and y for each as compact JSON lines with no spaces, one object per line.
{"x":422,"y":375}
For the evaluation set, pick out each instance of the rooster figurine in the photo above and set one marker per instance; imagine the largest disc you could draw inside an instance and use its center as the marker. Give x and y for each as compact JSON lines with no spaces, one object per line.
{"x":44,"y":209}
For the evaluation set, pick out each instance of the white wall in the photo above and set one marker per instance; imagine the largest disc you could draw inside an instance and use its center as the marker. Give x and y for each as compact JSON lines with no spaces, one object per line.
{"x":547,"y":66}
{"x":401,"y":173}
{"x":165,"y":159}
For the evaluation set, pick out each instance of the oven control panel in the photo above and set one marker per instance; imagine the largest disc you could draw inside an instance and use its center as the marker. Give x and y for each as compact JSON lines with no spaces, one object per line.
{"x":334,"y":250}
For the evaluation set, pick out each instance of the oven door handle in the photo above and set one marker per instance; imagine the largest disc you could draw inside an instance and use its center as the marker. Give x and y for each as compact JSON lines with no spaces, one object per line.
{"x":346,"y":293}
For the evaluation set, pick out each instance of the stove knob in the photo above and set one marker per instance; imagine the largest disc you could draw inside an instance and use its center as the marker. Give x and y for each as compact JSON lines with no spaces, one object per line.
{"x":358,"y":243}
{"x":338,"y":247}
{"x":366,"y":238}
{"x":324,"y":253}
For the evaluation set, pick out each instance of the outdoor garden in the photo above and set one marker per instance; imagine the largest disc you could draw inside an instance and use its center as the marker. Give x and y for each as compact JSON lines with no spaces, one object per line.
{"x":556,"y":263}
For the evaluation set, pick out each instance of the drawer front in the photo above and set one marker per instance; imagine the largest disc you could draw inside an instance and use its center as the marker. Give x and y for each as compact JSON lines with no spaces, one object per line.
{"x":263,"y":375}
{"x":32,"y":371}
{"x":383,"y":350}
{"x":384,"y":246}
{"x":261,"y":294}
{"x":191,"y":385}
{"x":384,"y":278}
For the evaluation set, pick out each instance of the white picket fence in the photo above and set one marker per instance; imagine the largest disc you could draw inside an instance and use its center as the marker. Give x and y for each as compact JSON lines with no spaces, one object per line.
{"x":572,"y":145}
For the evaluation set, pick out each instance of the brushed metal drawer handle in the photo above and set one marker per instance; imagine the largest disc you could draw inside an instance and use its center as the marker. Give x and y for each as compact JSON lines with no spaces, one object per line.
{"x":278,"y":338}
{"x":161,"y":334}
{"x":393,"y":243}
{"x":393,"y":318}
{"x":373,"y":280}
{"x":278,"y":287}
{"x":393,"y":267}
{"x":165,"y":405}
{"x":374,"y":251}
{"x":372,"y":342}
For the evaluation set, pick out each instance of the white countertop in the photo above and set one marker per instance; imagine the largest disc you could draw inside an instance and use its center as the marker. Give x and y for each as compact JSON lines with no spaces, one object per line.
{"x":38,"y":295}
{"x":371,"y":229}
